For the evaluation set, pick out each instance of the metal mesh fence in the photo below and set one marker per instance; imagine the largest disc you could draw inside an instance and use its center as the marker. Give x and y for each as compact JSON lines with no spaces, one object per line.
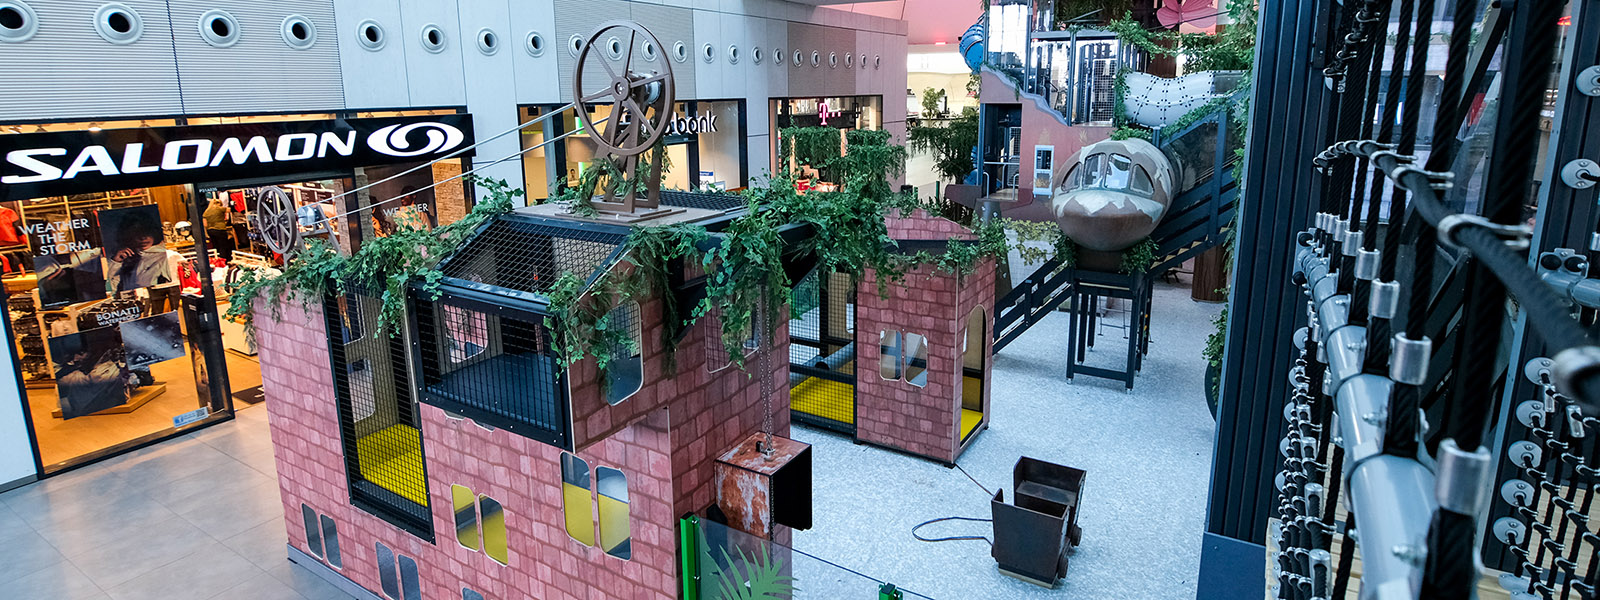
{"x":377,"y":416}
{"x":527,"y":254}
{"x":822,"y":352}
{"x":493,"y":364}
{"x":705,"y":201}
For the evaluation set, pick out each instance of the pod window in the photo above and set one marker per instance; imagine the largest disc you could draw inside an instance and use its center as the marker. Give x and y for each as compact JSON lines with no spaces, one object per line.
{"x":488,"y":42}
{"x":733,"y":55}
{"x":799,"y":58}
{"x":534,"y":44}
{"x":576,"y":499}
{"x":614,"y":48}
{"x":575,"y":45}
{"x":471,"y":510}
{"x":118,"y":24}
{"x":616,"y":537}
{"x":18,"y":22}
{"x":816,"y":58}
{"x":708,"y":53}
{"x":833,"y":60}
{"x":298,"y":32}
{"x":433,"y":39}
{"x":370,"y":35}
{"x":625,"y":373}
{"x":219,"y":28}
{"x":903,"y":357}
{"x":755,"y":55}
{"x":877,"y":62}
{"x":849,"y":61}
{"x":777,"y":56}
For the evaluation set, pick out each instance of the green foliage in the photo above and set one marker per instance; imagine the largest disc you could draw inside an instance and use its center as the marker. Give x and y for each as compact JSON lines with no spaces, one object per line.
{"x":1231,"y":50}
{"x":1139,"y":258}
{"x":931,"y":97}
{"x":817,"y":147}
{"x":388,"y":263}
{"x":1126,"y":133}
{"x":951,"y":144}
{"x":1067,"y":10}
{"x":760,"y":578}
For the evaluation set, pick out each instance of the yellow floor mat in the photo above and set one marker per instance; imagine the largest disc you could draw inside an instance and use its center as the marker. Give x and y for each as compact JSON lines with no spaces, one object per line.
{"x":392,"y":459}
{"x":969,"y":422}
{"x":824,"y":398}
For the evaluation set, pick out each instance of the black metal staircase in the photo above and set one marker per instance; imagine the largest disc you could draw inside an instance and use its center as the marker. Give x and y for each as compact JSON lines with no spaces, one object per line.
{"x":1198,"y":220}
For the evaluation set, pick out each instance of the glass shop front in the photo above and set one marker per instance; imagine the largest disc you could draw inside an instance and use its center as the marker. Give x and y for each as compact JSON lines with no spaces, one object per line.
{"x":705,"y":144}
{"x":118,"y":241}
{"x":845,"y":113}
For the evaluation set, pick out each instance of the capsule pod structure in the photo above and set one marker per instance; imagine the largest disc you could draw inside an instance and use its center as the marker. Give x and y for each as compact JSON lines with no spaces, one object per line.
{"x":1114,"y":194}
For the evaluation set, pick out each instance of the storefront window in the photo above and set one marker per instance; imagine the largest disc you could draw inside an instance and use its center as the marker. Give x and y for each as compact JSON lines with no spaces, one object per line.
{"x":704,"y":144}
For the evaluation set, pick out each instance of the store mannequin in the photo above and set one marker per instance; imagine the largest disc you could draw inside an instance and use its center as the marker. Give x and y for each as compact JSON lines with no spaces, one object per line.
{"x":218,"y":231}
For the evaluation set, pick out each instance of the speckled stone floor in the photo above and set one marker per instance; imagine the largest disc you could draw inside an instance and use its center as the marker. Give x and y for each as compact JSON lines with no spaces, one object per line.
{"x":1147,"y":453}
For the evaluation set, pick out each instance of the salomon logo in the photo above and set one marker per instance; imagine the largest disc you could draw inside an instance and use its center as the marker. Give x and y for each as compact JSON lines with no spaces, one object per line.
{"x":395,"y":140}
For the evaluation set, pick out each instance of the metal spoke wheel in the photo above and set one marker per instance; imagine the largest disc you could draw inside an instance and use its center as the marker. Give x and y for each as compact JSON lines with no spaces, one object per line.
{"x":276,"y":216}
{"x":630,"y":93}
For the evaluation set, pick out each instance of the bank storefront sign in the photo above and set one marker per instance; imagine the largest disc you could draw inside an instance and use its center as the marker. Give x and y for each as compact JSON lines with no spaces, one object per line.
{"x":681,"y":126}
{"x":54,"y":164}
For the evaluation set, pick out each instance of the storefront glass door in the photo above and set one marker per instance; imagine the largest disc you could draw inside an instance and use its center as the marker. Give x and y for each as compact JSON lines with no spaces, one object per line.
{"x":104,"y":303}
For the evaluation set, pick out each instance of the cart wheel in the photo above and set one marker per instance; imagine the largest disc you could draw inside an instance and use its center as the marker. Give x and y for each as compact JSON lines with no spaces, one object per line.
{"x":629,"y":92}
{"x":276,"y":214}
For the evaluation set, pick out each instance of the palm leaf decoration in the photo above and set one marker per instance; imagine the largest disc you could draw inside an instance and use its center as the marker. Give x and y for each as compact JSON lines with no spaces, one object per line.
{"x":762,"y":578}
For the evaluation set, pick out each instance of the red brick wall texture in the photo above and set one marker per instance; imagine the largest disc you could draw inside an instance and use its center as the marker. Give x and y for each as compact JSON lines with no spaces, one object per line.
{"x":894,"y":413}
{"x":664,"y":439}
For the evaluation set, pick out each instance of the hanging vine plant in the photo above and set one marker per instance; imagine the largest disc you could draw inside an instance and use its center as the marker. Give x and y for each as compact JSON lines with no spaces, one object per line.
{"x":387,"y":264}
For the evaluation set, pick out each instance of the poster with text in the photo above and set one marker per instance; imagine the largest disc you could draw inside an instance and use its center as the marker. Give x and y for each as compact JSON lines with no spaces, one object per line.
{"x":152,"y":339}
{"x":89,"y":369}
{"x":70,"y":278}
{"x":135,"y":248}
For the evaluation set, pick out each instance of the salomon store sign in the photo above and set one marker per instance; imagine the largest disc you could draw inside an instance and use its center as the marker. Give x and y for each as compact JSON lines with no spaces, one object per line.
{"x":54,"y":164}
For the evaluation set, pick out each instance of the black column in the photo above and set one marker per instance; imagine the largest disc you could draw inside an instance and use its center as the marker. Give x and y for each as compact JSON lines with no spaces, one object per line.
{"x":1280,"y":195}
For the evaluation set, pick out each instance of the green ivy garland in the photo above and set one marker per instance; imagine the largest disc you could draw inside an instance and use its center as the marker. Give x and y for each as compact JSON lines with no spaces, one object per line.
{"x":1139,"y":258}
{"x":388,"y":263}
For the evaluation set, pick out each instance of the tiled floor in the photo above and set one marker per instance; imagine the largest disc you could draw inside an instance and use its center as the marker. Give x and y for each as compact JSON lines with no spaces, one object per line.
{"x":193,"y":518}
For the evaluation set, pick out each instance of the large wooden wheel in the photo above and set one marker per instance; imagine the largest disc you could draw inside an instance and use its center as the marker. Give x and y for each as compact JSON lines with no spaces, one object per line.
{"x":645,"y":98}
{"x":276,"y":216}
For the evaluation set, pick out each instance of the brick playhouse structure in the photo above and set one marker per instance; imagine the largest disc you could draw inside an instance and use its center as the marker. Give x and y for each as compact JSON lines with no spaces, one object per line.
{"x":665,"y":439}
{"x":941,"y":417}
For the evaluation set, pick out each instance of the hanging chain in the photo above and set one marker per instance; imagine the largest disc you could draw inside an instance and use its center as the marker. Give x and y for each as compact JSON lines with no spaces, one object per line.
{"x":764,"y":363}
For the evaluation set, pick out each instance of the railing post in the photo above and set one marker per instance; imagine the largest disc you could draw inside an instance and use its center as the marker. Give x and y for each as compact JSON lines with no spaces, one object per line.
{"x":689,"y":556}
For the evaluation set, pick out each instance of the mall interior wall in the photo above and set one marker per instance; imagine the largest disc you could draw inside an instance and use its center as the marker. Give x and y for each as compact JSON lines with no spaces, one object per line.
{"x":492,"y":56}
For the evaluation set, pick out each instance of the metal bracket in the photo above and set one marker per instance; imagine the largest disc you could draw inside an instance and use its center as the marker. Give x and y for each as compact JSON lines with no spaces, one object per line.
{"x":1409,"y":362}
{"x":1352,"y":242}
{"x":1516,"y":236}
{"x":1385,"y":299}
{"x":1523,"y":453}
{"x":1462,"y":479}
{"x":1580,"y":174}
{"x":1538,"y":370}
{"x":1366,"y":268}
{"x":1588,"y":81}
{"x":1516,"y":492}
{"x":1439,"y":180}
{"x":1511,"y":532}
{"x":1399,"y":158}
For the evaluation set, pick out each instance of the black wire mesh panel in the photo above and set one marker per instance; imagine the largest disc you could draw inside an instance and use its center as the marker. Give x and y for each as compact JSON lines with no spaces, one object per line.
{"x":525,"y":255}
{"x":378,"y":424}
{"x":822,"y":352}
{"x":492,"y":363}
{"x":699,"y":200}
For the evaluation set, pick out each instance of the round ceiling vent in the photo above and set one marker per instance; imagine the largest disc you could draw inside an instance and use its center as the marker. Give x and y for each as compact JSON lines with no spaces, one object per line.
{"x":370,"y":35}
{"x":298,"y":32}
{"x":488,"y":42}
{"x":18,"y":22}
{"x":534,"y":44}
{"x":433,"y":39}
{"x":118,"y":24}
{"x":219,"y":28}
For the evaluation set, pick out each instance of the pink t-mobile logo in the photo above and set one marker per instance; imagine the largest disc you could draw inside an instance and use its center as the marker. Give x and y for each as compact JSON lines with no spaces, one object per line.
{"x":823,"y":113}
